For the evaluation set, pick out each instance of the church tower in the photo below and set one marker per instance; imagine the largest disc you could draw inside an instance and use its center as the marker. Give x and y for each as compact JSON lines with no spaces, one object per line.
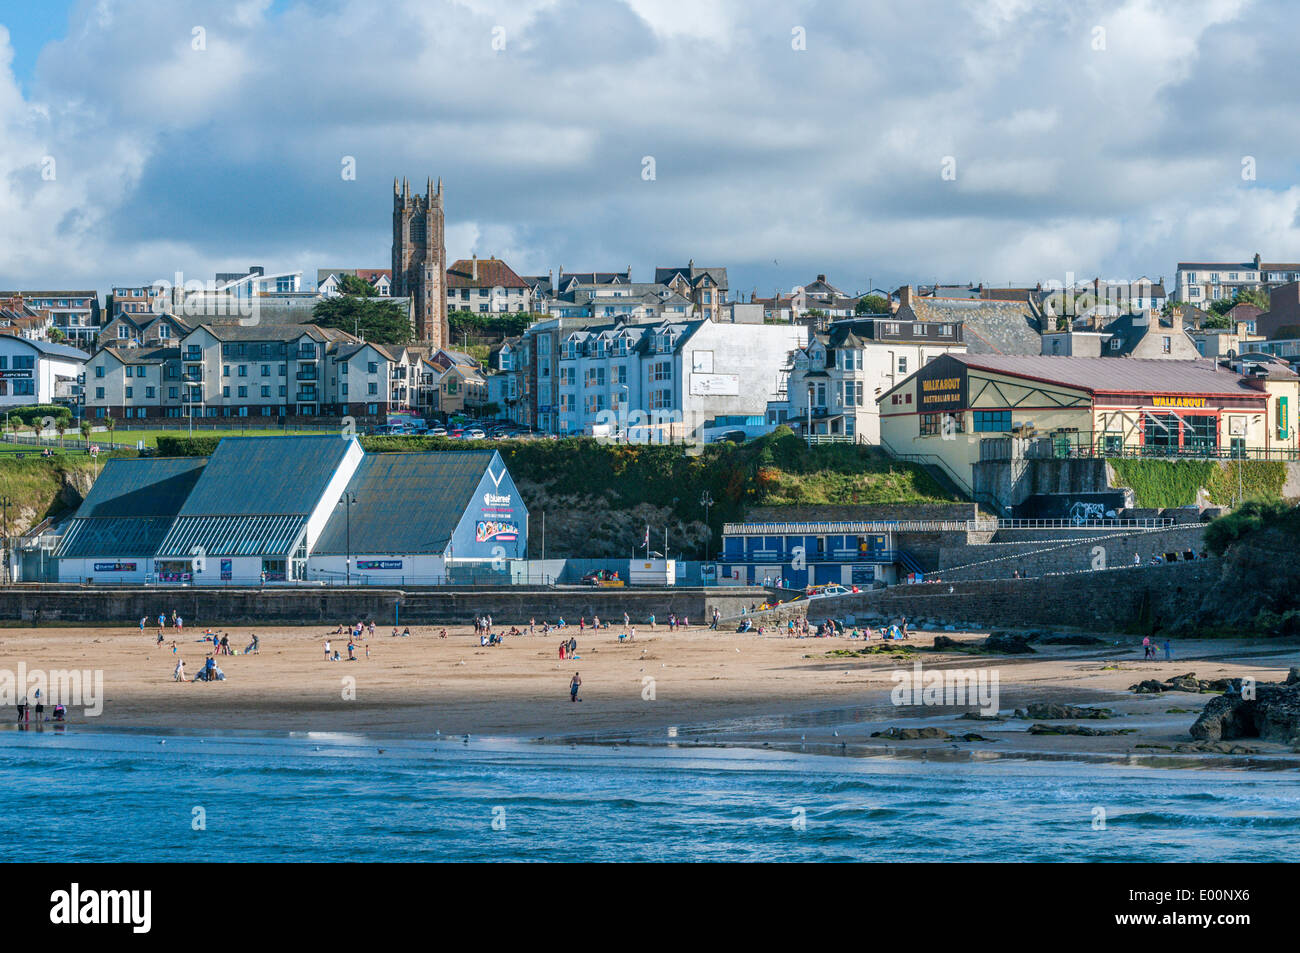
{"x":420,"y":260}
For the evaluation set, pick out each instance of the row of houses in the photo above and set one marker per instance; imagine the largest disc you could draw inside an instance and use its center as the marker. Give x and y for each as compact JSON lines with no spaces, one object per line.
{"x":276,"y":371}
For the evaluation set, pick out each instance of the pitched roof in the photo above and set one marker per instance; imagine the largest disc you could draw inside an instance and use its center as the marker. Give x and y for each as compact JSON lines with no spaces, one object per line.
{"x":130,"y":507}
{"x":263,"y":476}
{"x":992,"y":327}
{"x":407,"y":503}
{"x":492,"y":273}
{"x":1112,"y":376}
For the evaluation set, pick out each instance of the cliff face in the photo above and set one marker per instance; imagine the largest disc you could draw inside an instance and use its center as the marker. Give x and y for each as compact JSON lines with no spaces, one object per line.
{"x":1257,"y":586}
{"x":38,"y":487}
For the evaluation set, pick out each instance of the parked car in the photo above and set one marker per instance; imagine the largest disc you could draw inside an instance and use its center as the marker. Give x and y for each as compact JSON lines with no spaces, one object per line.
{"x":831,"y":589}
{"x":602,"y":577}
{"x":474,"y":433}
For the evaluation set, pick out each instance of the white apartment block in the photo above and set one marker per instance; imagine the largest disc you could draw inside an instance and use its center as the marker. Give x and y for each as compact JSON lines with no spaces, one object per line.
{"x":838,"y":376}
{"x":667,"y":380}
{"x":267,"y":371}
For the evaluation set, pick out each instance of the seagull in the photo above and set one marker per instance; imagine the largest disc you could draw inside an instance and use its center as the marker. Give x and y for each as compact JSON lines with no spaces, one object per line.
{"x":163,"y":742}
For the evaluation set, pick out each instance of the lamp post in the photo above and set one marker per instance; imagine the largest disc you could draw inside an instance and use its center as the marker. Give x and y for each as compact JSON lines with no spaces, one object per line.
{"x":347,"y":501}
{"x":5,"y":503}
{"x":627,"y":436}
{"x":706,"y":500}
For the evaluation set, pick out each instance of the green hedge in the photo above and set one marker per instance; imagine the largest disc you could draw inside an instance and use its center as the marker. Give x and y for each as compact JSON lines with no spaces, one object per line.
{"x":35,"y":413}
{"x":1166,"y":483}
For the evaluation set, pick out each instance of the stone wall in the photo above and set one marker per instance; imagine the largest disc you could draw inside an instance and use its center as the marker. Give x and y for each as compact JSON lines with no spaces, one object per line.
{"x":817,"y":513}
{"x":1113,"y":600}
{"x":1037,"y":557}
{"x":289,"y":606}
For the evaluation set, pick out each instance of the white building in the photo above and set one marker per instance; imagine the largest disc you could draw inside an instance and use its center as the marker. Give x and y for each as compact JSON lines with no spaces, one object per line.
{"x":836,"y":379}
{"x":37,"y":372}
{"x":675,"y":377}
{"x":1204,"y":282}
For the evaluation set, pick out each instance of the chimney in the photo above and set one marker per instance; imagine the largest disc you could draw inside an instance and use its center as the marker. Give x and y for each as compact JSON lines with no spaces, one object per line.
{"x":821,"y":277}
{"x":1176,"y":320}
{"x":474,"y":267}
{"x":905,"y":296}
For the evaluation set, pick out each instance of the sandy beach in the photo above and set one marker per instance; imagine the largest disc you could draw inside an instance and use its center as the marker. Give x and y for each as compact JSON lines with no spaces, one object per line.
{"x":692,"y":686}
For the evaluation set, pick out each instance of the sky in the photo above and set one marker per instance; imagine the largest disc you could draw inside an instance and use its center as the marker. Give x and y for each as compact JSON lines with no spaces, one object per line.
{"x":878,"y":143}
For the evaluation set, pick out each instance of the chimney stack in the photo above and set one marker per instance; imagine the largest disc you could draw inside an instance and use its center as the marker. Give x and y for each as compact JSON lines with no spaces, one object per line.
{"x":905,"y":296}
{"x":474,"y":267}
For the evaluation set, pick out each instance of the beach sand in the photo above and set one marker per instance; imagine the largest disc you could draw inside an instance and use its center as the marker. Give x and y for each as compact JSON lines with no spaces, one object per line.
{"x":693,"y":686}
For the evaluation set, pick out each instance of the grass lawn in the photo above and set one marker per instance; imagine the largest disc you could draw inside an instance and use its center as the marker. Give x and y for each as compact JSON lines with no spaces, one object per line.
{"x":150,"y":436}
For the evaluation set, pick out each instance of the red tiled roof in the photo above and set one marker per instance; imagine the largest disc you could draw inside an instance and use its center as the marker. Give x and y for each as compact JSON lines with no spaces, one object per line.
{"x":492,"y":273}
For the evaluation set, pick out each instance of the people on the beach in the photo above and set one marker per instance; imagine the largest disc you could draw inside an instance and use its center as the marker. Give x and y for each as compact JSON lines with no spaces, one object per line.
{"x":574,"y":684}
{"x":327,"y":650}
{"x":178,"y":673}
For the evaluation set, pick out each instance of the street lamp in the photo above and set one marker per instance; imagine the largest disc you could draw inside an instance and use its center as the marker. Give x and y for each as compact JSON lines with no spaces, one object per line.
{"x":627,"y":437}
{"x":5,"y":503}
{"x":347,"y":501}
{"x":706,"y":500}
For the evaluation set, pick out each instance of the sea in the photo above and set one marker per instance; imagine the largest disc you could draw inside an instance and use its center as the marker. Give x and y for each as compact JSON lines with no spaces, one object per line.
{"x":138,"y":796}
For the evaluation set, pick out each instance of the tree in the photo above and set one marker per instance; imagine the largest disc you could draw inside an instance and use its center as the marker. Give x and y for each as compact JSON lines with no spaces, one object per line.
{"x":85,"y":431}
{"x":872,"y":304}
{"x":378,"y":320}
{"x":110,"y":425}
{"x":355,"y":285}
{"x":61,"y":427}
{"x":56,"y":336}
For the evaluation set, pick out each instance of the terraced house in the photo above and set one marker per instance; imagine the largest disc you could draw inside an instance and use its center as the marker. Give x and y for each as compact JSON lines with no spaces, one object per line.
{"x":668,"y":380}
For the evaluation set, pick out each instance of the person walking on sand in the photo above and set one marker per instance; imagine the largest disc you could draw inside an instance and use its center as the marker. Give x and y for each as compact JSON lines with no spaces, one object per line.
{"x":1169,"y":653}
{"x":327,"y":650}
{"x":563,"y":646}
{"x":178,"y":673}
{"x":1146,"y":646}
{"x":574,"y":684}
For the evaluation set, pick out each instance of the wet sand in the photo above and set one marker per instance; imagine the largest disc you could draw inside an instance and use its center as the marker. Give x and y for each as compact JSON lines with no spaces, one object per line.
{"x":684,"y":687}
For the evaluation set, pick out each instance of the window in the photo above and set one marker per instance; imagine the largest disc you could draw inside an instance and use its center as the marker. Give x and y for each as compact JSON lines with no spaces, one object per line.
{"x":372,"y":367}
{"x":662,"y":371}
{"x":173,"y":393}
{"x":149,"y":392}
{"x":243,"y":391}
{"x":225,"y":392}
{"x":992,"y":421}
{"x":130,"y":393}
{"x":99,"y":393}
{"x":130,"y":371}
{"x":902,"y":363}
{"x":372,"y":388}
{"x":266,"y":391}
{"x":1166,"y":345}
{"x":99,"y":370}
{"x":243,"y":370}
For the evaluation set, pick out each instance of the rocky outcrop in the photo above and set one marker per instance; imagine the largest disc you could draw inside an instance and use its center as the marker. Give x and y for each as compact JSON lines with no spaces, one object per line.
{"x":1037,"y":729}
{"x":1061,"y":712}
{"x":944,"y":644}
{"x":913,"y":734}
{"x":1182,"y":683}
{"x":1007,"y":643}
{"x":1270,"y":712}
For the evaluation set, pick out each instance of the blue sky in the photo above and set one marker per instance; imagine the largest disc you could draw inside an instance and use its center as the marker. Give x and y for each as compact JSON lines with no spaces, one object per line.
{"x":788,"y":138}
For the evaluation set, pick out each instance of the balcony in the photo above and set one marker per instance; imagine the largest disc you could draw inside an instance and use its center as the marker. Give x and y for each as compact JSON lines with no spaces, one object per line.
{"x":307,"y":374}
{"x":306,"y":354}
{"x":307,"y":397}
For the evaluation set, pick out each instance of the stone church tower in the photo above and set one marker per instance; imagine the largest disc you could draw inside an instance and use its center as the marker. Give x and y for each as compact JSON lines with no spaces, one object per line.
{"x":420,"y":260}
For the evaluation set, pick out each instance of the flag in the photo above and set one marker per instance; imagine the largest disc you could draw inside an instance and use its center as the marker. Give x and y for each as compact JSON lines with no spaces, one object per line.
{"x":646,"y":544}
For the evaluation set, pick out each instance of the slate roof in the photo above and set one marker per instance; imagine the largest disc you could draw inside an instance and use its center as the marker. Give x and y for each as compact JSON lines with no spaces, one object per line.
{"x":989,"y":327}
{"x":407,"y":503}
{"x":130,"y":508}
{"x":1107,"y":375}
{"x":255,"y":495}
